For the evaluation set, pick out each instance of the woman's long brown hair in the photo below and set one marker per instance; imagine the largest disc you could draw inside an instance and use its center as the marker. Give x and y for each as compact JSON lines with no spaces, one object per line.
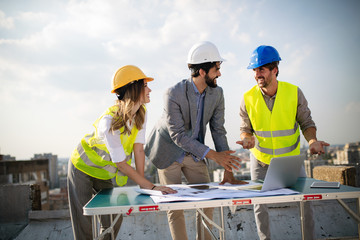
{"x":129,"y":95}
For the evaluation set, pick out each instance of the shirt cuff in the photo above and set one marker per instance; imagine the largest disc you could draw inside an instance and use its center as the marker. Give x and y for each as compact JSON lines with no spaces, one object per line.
{"x":206,"y":152}
{"x":117,"y":155}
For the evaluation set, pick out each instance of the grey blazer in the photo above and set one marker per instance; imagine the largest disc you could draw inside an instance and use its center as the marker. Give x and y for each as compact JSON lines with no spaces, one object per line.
{"x":172,"y":135}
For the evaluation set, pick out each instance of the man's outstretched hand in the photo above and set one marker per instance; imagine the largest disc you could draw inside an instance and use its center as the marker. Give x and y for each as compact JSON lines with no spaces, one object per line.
{"x":229,"y":177}
{"x":225,"y":159}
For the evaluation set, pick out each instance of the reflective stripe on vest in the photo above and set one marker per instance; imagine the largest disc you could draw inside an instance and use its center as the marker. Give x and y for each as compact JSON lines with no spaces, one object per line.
{"x":277,"y":132}
{"x":278,"y":151}
{"x":93,"y":158}
{"x":105,"y":155}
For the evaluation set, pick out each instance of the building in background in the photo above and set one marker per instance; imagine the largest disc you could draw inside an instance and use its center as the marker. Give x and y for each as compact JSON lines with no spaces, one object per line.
{"x":6,"y":158}
{"x":350,"y":154}
{"x":28,"y":172}
{"x":53,"y":168}
{"x":242,"y":174}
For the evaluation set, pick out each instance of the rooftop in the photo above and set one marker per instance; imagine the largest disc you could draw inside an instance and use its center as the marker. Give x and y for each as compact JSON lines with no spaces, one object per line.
{"x":285,"y":224}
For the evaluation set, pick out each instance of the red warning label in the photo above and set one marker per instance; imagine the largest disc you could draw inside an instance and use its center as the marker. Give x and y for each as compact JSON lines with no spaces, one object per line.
{"x":241,"y":202}
{"x":313,"y":197}
{"x":130,"y":210}
{"x":149,"y":208}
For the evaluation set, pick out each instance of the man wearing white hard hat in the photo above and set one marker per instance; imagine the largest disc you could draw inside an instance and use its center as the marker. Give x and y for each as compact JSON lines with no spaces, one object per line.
{"x":176,"y":144}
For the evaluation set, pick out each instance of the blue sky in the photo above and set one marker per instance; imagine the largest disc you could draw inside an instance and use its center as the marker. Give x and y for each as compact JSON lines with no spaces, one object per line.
{"x":57,"y":59}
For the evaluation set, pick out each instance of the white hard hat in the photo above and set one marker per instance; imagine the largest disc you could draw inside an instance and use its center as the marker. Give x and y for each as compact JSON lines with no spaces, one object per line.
{"x":203,"y":52}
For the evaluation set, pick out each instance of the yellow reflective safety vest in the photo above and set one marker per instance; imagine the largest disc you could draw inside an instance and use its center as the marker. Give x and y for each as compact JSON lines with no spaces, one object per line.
{"x":93,"y":158}
{"x":276,"y":132}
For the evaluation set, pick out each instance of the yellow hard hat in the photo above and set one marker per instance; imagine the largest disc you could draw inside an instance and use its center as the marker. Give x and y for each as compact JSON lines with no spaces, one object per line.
{"x":127,"y":74}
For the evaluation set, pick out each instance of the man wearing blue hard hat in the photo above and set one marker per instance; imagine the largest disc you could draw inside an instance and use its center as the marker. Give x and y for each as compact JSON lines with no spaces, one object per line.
{"x":272,"y":114}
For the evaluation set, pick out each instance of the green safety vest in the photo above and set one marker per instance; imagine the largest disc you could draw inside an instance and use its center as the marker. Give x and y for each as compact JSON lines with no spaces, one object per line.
{"x":276,"y":132}
{"x":92,"y":157}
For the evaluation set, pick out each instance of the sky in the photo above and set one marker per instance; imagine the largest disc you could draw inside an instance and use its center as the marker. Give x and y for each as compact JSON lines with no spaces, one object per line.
{"x":57,"y":60}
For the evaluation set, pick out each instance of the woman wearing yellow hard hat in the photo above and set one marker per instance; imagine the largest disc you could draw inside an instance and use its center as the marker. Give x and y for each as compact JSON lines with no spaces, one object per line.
{"x":106,"y":153}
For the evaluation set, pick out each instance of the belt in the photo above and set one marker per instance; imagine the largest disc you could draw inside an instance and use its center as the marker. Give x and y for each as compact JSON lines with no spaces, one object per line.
{"x":261,"y":163}
{"x":193,"y":156}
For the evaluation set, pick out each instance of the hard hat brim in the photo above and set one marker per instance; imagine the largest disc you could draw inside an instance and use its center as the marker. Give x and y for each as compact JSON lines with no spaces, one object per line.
{"x":263,"y":55}
{"x":147,"y":79}
{"x":203,"y":52}
{"x":206,"y":61}
{"x":126,"y":75}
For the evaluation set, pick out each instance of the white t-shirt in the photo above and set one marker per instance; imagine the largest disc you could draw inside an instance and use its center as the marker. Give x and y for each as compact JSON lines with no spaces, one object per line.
{"x":112,"y":140}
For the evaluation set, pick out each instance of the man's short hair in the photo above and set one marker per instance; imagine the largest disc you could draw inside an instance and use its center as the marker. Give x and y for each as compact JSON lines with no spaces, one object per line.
{"x":195,"y":68}
{"x":272,"y":65}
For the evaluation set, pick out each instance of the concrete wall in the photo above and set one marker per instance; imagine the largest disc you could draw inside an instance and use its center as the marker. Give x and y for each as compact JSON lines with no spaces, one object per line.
{"x":15,"y":203}
{"x":331,"y":220}
{"x":346,"y":175}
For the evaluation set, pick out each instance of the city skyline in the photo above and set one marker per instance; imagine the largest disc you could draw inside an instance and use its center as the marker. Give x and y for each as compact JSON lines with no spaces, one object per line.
{"x":58,"y":58}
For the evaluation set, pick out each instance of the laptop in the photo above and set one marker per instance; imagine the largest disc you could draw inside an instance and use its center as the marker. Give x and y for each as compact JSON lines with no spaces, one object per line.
{"x":283,"y":172}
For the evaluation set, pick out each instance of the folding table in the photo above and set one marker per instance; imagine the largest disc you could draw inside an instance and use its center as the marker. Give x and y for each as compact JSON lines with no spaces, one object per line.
{"x":125,"y":200}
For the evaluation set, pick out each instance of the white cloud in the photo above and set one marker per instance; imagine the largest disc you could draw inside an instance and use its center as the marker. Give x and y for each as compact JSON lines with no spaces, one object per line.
{"x":97,"y":19}
{"x":261,"y":34}
{"x":236,"y":35}
{"x":35,"y":17}
{"x":60,"y":60}
{"x":230,"y":58}
{"x":352,"y":107}
{"x":6,"y":22}
{"x":295,"y":61}
{"x":186,"y":24}
{"x":11,"y":72}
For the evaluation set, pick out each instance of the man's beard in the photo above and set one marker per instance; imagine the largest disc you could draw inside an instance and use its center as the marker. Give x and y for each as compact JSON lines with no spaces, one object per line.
{"x":210,"y":82}
{"x":261,"y":82}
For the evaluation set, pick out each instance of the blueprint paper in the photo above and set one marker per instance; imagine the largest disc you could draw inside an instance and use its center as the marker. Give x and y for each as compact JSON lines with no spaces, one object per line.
{"x":198,"y":192}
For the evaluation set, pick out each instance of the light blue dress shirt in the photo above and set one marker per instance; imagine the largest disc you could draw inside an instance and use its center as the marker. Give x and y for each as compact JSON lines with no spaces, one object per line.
{"x":199,"y":115}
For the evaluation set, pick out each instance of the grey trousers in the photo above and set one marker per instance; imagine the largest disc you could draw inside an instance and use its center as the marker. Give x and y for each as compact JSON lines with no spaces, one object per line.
{"x":261,"y":210}
{"x":81,"y":188}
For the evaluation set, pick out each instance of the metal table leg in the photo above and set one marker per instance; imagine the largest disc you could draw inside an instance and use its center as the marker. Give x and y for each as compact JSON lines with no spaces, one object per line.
{"x":96,"y":226}
{"x":221,"y":229}
{"x":302,"y":220}
{"x":222,"y":233}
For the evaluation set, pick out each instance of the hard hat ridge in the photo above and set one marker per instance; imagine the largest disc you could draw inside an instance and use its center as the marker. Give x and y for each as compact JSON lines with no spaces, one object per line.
{"x":203,"y":52}
{"x":126,"y":75}
{"x":263,"y":55}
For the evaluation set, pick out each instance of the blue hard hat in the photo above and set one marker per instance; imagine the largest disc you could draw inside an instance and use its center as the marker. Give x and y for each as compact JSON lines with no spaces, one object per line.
{"x":263,"y":55}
